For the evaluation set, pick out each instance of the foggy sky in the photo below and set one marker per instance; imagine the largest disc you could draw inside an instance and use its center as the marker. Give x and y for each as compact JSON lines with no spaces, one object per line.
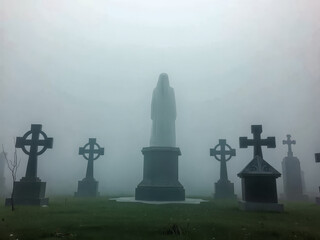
{"x":88,"y":68}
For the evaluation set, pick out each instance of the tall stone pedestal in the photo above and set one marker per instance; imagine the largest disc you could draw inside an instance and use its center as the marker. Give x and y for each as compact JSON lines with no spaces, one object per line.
{"x":292,"y":180}
{"x":29,"y":193}
{"x":87,"y":188}
{"x":160,"y":175}
{"x":224,"y":190}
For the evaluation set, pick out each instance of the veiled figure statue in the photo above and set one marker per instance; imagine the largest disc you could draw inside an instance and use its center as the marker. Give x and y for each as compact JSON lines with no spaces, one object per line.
{"x":163,"y":114}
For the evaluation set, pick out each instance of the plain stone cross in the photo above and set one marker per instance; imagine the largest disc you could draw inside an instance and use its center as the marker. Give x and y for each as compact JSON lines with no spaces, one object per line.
{"x":34,"y":139}
{"x":289,"y":142}
{"x":225,"y":153}
{"x":257,"y":142}
{"x":92,"y":148}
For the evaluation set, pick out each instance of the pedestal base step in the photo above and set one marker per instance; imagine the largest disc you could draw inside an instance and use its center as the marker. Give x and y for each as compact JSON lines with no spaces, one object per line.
{"x":87,"y":189}
{"x":224,"y":190}
{"x":159,"y":193}
{"x":264,"y":207}
{"x":28,"y":201}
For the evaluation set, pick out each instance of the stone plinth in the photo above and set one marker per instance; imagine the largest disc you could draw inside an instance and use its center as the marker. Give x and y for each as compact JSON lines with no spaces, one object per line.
{"x":292,"y":179}
{"x":29,"y":193}
{"x":87,"y":188}
{"x":224,"y":190}
{"x":160,"y":175}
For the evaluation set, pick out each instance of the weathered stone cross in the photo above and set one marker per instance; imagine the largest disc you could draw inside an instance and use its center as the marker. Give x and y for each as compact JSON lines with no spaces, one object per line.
{"x":225,"y":155}
{"x":32,"y":139}
{"x":289,"y":142}
{"x":257,"y":142}
{"x":92,"y":148}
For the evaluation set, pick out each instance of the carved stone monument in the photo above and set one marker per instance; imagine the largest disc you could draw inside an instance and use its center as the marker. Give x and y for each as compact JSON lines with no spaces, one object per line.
{"x":160,"y":170}
{"x":292,"y":179}
{"x":317,"y":157}
{"x":2,"y":177}
{"x":258,"y":178}
{"x":30,"y":190}
{"x":88,"y":187}
{"x":223,"y":152}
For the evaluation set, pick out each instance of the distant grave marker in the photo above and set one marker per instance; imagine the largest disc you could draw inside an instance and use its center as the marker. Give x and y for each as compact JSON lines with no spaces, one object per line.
{"x":223,"y":153}
{"x":258,"y":178}
{"x":30,"y":190}
{"x":317,"y":158}
{"x":292,"y":179}
{"x":88,"y":187}
{"x":2,"y":176}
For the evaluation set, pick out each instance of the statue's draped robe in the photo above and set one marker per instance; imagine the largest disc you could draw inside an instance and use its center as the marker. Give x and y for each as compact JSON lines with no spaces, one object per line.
{"x":163,"y":115}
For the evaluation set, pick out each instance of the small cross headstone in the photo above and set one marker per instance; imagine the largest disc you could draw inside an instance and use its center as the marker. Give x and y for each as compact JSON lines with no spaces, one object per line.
{"x":292,"y":178}
{"x":30,"y":190}
{"x":259,"y":189}
{"x":88,"y":187}
{"x":223,"y":153}
{"x":317,"y":158}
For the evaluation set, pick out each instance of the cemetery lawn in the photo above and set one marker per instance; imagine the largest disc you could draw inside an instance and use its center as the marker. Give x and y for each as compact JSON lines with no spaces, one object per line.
{"x":70,"y":218}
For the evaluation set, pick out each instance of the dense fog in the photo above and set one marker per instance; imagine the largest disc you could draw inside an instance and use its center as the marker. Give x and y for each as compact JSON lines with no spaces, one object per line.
{"x":87,"y":69}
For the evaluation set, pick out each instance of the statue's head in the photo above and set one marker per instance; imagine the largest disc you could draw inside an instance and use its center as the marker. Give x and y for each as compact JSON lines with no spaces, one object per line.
{"x":163,"y":81}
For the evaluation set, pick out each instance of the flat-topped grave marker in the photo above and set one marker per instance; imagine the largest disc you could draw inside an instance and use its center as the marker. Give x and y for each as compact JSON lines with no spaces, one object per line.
{"x":88,"y":187}
{"x":317,"y":158}
{"x":30,"y":190}
{"x":223,"y":153}
{"x":258,"y":178}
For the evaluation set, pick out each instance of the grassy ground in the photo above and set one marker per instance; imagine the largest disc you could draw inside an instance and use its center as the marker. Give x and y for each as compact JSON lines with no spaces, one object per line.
{"x":71,"y":218}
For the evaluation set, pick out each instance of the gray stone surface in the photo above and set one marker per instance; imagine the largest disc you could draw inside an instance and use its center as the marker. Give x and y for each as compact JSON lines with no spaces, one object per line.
{"x":223,"y":153}
{"x":258,"y":178}
{"x":88,"y":187}
{"x":30,"y":190}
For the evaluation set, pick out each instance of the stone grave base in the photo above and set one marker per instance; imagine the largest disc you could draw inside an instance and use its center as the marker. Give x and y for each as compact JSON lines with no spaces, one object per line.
{"x":28,"y":193}
{"x":160,"y":193}
{"x":224,"y":190}
{"x":160,"y":175}
{"x":318,"y":200}
{"x":133,"y":200}
{"x":87,"y":188}
{"x":264,"y":207}
{"x":301,"y":198}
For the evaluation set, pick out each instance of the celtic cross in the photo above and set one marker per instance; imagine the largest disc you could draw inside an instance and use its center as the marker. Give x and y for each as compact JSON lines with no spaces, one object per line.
{"x":223,"y":153}
{"x":34,"y":139}
{"x":91,"y":151}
